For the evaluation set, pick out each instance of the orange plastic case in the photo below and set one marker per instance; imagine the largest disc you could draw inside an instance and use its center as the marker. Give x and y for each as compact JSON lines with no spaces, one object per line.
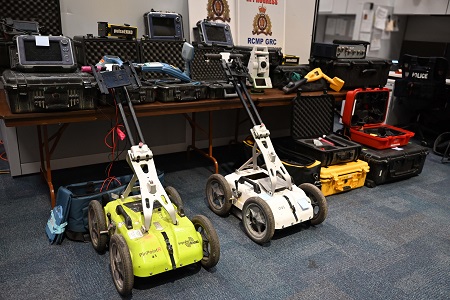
{"x":364,"y":115}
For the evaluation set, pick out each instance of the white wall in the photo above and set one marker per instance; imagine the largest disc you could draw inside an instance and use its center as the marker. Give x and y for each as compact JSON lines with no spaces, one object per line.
{"x":299,"y":27}
{"x":80,"y":17}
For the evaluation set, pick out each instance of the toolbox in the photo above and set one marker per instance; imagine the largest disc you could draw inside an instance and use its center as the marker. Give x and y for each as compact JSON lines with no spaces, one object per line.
{"x":388,"y":165}
{"x":356,"y":73}
{"x":312,"y":130}
{"x":181,"y":92}
{"x":89,"y":50}
{"x":302,"y":168}
{"x":43,"y":92}
{"x":343,"y":177}
{"x":364,"y":114}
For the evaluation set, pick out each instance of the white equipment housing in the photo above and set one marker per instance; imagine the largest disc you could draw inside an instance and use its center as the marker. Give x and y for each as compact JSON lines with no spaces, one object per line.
{"x":258,"y":67}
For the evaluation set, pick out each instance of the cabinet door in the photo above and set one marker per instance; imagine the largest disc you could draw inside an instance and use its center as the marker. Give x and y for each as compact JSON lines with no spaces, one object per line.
{"x":420,"y":7}
{"x":333,"y":6}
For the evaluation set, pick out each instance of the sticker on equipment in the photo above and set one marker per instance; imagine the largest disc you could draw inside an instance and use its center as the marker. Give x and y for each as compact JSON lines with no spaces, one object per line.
{"x":134,"y":234}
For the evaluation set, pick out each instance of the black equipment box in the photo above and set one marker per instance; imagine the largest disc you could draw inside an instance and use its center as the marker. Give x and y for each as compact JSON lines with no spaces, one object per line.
{"x":312,"y":129}
{"x":181,"y":92}
{"x":90,"y":50}
{"x":356,"y":73}
{"x":145,"y":94}
{"x":340,"y":49}
{"x":43,"y":92}
{"x":394,"y":164}
{"x":220,"y":90}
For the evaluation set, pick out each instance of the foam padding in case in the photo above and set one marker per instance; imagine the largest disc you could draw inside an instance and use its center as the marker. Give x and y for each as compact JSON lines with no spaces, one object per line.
{"x":203,"y":70}
{"x":46,"y":12}
{"x":168,"y":52}
{"x":312,"y":116}
{"x":89,"y":50}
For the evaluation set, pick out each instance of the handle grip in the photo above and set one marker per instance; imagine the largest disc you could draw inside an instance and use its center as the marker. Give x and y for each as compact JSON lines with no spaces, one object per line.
{"x":294,"y":85}
{"x":128,"y":221}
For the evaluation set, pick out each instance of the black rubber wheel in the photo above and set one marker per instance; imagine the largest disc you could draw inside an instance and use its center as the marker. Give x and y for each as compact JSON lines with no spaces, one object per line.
{"x":211,"y":244}
{"x":218,"y":193}
{"x":258,"y":221}
{"x":175,"y":198}
{"x":318,"y":202}
{"x":97,"y":224}
{"x":370,"y":183}
{"x":121,"y":265}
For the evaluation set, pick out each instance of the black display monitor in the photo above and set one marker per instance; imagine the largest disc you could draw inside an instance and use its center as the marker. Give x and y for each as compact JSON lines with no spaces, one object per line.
{"x":43,"y":53}
{"x":214,"y":34}
{"x":163,"y":26}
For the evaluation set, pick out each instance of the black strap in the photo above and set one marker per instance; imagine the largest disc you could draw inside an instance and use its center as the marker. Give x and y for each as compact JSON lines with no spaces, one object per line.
{"x":169,"y":250}
{"x":292,"y":207}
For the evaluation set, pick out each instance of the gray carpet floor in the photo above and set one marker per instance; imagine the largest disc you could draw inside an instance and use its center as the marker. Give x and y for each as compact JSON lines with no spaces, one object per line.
{"x":388,"y":242}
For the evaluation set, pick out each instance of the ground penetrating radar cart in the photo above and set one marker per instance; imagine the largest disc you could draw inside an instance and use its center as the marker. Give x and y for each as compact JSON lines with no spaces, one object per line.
{"x":146,"y":227}
{"x":265,"y":197}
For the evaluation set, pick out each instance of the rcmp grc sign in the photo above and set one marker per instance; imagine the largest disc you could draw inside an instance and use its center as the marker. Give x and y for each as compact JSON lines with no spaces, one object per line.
{"x":261,"y":22}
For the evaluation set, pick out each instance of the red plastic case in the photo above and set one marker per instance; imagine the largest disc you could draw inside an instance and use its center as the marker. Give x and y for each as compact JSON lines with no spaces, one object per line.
{"x":364,"y":115}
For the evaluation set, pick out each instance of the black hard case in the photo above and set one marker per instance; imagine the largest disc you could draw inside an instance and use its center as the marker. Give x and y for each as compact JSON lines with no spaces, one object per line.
{"x":46,"y":12}
{"x":147,"y":93}
{"x":43,"y":92}
{"x":313,"y":118}
{"x":181,"y":92}
{"x":395,"y":164}
{"x":211,"y":72}
{"x":89,"y":50}
{"x":356,"y":73}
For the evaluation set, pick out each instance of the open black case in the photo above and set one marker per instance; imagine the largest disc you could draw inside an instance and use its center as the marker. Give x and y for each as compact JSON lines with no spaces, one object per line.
{"x":312,"y":131}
